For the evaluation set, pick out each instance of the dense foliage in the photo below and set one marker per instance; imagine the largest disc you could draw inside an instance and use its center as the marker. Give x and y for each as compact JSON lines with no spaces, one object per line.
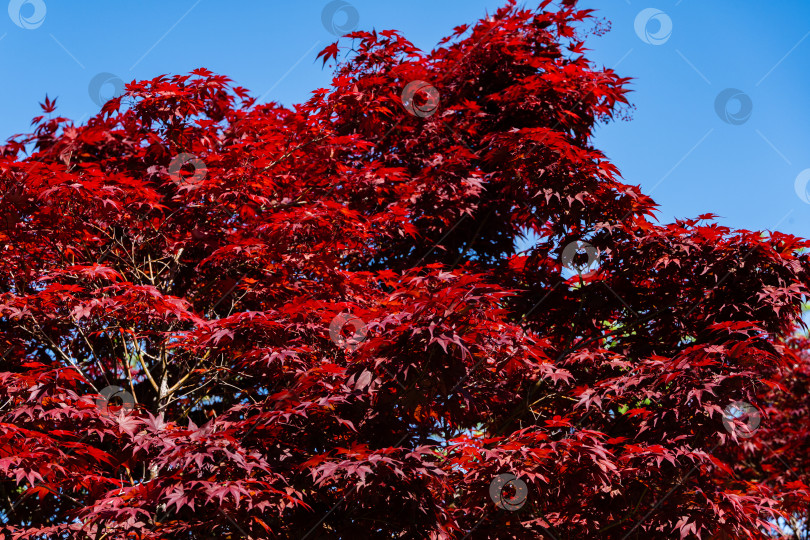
{"x":226,"y":319}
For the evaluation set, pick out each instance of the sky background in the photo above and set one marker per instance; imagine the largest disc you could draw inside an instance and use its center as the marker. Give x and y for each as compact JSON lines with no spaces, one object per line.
{"x":687,"y":156}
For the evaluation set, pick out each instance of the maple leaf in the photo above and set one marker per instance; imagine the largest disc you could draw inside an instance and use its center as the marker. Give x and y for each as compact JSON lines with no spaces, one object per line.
{"x":331,"y":51}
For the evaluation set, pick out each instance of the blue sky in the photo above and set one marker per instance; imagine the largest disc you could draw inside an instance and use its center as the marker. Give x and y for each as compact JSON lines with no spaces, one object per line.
{"x":677,"y":146}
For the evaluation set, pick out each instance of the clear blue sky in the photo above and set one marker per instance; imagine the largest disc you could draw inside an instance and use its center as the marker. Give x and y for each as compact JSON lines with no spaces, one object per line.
{"x":676,"y":146}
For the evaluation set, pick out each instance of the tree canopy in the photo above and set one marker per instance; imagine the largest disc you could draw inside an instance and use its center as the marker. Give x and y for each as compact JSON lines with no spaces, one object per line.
{"x":418,"y":305}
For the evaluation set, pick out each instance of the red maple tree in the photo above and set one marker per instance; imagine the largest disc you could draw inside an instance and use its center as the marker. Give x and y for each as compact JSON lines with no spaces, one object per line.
{"x":226,"y":319}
